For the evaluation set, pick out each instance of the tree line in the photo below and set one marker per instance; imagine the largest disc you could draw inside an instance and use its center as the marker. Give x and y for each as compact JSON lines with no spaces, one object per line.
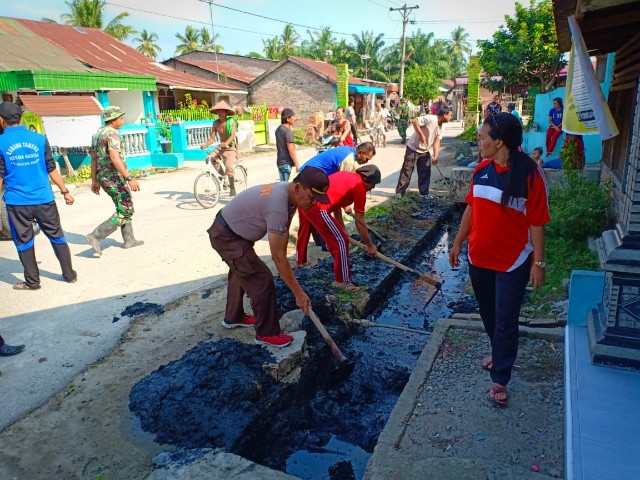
{"x":523,"y":51}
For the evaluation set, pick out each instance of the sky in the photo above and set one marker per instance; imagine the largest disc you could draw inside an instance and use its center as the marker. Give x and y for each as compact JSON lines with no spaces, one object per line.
{"x":241,"y":33}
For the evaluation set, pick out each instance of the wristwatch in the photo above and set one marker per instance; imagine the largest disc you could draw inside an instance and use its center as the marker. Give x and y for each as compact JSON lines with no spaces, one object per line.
{"x":129,"y":178}
{"x":64,"y":193}
{"x":541,"y":264}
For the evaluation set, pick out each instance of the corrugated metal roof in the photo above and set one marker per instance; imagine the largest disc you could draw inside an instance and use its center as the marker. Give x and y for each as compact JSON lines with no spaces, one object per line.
{"x":214,"y":67}
{"x":61,"y":105}
{"x":325,"y":69}
{"x":22,"y":49}
{"x":99,"y":50}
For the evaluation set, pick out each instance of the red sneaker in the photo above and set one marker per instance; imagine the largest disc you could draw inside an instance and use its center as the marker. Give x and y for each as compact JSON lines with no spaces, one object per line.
{"x":278,"y":341}
{"x":247,"y":321}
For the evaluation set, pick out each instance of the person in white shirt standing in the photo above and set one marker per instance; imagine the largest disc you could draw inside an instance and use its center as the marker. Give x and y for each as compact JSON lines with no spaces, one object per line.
{"x":422,"y":150}
{"x":379,"y":121}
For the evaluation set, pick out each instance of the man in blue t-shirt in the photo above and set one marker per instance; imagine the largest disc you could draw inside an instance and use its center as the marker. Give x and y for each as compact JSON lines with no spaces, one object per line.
{"x":26,"y":165}
{"x":342,"y":159}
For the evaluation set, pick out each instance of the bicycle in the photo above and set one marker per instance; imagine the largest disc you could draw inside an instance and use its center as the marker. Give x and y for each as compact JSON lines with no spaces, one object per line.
{"x":213,"y":183}
{"x":376,"y":137}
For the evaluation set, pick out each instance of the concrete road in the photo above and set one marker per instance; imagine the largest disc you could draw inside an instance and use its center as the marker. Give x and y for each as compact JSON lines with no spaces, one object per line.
{"x":67,"y":327}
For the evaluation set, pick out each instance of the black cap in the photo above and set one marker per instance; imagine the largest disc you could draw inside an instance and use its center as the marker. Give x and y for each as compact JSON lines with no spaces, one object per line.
{"x":10,"y":111}
{"x":287,"y":112}
{"x":316,"y":180}
{"x":370,"y":174}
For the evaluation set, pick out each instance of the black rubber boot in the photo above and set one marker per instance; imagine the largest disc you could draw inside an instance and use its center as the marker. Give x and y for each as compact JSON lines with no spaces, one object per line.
{"x":127,"y":234}
{"x":101,"y":232}
{"x":232,"y":186}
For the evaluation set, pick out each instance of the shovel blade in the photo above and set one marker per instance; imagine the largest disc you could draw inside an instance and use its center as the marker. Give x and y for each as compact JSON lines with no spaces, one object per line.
{"x":341,"y":373}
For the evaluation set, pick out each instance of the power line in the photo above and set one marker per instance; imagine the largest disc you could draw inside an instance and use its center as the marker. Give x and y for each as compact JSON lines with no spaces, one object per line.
{"x":405,"y":18}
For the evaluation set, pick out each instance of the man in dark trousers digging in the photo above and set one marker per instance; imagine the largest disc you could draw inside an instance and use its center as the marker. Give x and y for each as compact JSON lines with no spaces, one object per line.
{"x":256,"y":212}
{"x":26,"y":165}
{"x":109,"y":172}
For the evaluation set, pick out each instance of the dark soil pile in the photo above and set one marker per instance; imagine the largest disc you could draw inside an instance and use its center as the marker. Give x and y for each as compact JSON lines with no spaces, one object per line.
{"x":208,"y":397}
{"x":141,"y":308}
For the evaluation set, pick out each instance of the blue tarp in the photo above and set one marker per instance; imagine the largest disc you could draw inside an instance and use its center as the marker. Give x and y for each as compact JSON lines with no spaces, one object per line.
{"x":365,"y":89}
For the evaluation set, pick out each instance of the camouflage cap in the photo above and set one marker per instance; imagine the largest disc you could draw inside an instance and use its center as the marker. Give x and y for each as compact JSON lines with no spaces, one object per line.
{"x":112,"y":113}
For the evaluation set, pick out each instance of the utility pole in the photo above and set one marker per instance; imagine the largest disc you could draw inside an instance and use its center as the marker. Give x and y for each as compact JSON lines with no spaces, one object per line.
{"x":405,"y":19}
{"x":213,"y":36}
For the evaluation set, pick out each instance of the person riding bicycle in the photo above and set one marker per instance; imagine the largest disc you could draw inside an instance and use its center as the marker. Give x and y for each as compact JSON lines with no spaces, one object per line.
{"x":225,"y":128}
{"x":378,"y":122}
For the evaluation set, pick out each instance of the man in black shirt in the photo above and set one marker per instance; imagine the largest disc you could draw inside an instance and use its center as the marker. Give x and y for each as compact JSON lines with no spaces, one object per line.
{"x":286,"y":146}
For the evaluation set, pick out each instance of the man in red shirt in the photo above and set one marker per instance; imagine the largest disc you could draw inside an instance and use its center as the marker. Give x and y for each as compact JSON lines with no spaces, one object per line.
{"x":345,"y":188}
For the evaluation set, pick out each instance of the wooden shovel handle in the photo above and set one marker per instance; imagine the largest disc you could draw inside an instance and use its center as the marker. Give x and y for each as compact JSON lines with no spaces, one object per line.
{"x":424,"y":277}
{"x":327,"y":338}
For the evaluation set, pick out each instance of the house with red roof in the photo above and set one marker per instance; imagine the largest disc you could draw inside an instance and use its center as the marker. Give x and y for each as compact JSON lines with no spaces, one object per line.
{"x":308,"y":86}
{"x":40,"y":58}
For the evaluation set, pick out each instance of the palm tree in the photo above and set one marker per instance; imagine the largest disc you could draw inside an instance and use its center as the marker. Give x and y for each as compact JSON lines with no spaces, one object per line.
{"x":208,"y":44}
{"x":319,"y":44}
{"x":289,"y":40}
{"x":368,"y":44}
{"x":147,"y":44}
{"x":429,"y":51}
{"x":90,"y":14}
{"x":458,"y":47}
{"x":272,"y":48}
{"x":189,"y":42}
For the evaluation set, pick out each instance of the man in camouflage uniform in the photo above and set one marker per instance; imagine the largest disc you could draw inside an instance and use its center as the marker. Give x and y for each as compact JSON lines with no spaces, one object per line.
{"x":109,"y":171}
{"x":404,"y":114}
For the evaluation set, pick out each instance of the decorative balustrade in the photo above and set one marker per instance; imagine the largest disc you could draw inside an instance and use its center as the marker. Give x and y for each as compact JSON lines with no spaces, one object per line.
{"x":134,"y":141}
{"x":197,"y":135}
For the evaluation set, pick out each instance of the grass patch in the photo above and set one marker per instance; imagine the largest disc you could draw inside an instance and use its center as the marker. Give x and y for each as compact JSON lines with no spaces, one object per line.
{"x":80,"y":175}
{"x":298,"y":136}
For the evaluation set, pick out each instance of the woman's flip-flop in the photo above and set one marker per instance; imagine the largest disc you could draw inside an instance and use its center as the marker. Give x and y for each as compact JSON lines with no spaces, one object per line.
{"x":24,"y":286}
{"x":499,"y":389}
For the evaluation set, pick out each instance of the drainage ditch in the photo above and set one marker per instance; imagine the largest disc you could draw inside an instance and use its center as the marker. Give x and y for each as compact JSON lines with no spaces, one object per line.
{"x":219,"y":395}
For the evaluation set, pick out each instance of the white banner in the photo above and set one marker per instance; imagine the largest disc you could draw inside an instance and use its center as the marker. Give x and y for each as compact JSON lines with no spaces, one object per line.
{"x":585,"y":111}
{"x":71,"y":131}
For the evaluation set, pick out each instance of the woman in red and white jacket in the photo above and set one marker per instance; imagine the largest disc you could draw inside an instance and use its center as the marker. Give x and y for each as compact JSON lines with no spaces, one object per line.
{"x":504,"y":223}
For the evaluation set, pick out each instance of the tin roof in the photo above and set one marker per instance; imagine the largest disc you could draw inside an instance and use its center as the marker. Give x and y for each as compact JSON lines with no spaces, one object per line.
{"x":212,"y":66}
{"x":325,"y":69}
{"x":21,"y":49}
{"x":99,"y":50}
{"x":61,"y":105}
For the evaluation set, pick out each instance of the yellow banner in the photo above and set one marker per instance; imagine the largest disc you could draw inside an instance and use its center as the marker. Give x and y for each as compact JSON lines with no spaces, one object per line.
{"x":342,"y":80}
{"x":32,"y":122}
{"x":585,"y":111}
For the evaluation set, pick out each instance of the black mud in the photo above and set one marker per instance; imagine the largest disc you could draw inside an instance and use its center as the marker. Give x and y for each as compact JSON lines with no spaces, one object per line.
{"x":140,"y":308}
{"x":208,"y":397}
{"x":218,"y":395}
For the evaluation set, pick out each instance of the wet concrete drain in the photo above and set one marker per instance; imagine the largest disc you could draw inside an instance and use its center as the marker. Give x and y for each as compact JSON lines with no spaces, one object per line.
{"x":218,"y":395}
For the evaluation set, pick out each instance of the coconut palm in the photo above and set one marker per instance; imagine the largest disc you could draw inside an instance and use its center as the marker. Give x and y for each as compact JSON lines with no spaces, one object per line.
{"x":368,"y":44}
{"x":272,"y":48}
{"x":90,"y":14}
{"x":320,"y":44}
{"x":189,"y":42}
{"x":147,"y":44}
{"x":207,"y":43}
{"x":459,"y":46}
{"x":289,"y":40}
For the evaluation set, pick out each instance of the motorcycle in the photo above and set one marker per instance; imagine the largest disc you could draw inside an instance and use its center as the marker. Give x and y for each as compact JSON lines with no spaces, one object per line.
{"x":327,"y":141}
{"x":392,"y":120}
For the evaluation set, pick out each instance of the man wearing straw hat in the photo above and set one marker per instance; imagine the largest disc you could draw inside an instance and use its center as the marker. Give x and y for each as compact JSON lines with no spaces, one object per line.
{"x":109,"y":172}
{"x":225,"y":128}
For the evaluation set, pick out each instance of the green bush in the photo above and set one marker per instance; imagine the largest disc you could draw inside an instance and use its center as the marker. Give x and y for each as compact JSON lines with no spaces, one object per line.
{"x":469,"y":135}
{"x":81,"y":174}
{"x":579,"y":206}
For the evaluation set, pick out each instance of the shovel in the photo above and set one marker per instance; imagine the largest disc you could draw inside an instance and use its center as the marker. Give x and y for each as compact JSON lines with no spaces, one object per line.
{"x":423,"y":276}
{"x":345,"y":366}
